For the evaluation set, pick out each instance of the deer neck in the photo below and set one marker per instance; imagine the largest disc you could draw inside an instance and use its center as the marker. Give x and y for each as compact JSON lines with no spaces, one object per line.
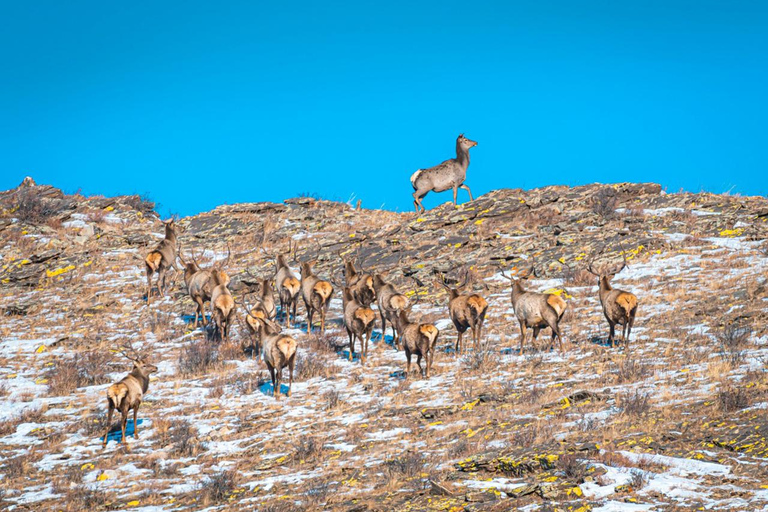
{"x":517,"y":291}
{"x":170,"y":234}
{"x":142,"y":378}
{"x":462,"y":156}
{"x":605,"y":287}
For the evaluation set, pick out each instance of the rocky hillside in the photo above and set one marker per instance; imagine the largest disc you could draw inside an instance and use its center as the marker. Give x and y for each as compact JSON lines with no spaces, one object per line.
{"x":674,"y":421}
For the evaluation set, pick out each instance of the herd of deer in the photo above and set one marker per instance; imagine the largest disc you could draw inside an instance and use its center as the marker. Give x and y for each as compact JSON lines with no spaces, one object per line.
{"x":467,"y":311}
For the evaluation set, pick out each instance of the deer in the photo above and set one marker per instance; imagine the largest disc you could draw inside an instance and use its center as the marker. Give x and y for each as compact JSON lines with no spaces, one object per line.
{"x":161,"y":258}
{"x":128,"y":393}
{"x":288,"y":287}
{"x":467,"y":311}
{"x":358,"y":321}
{"x":254,"y":315}
{"x":316,"y":293}
{"x":360,"y":284}
{"x":390,"y":303}
{"x":222,"y":302}
{"x":278,"y":351}
{"x":619,"y":306}
{"x":418,"y":339}
{"x":266,"y":296}
{"x":199,"y":285}
{"x":448,"y":175}
{"x":536,"y":310}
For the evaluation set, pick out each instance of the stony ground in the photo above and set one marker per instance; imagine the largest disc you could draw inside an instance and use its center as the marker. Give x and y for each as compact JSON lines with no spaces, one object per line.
{"x":675,"y":421}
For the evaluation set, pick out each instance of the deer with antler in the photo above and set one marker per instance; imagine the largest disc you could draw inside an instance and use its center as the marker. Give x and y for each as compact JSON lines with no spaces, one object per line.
{"x":619,"y":306}
{"x":199,"y":285}
{"x":316,"y":293}
{"x":535,"y":310}
{"x":222,"y":302}
{"x":467,"y":310}
{"x":161,"y":258}
{"x":390,"y":303}
{"x":126,"y":395}
{"x":445,"y":176}
{"x":288,"y":285}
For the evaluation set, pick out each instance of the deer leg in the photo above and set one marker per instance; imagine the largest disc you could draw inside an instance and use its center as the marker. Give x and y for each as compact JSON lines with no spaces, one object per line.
{"x":272,"y":377}
{"x":467,"y":189}
{"x":351,"y":344}
{"x":455,"y":194}
{"x":418,"y":363}
{"x":309,"y":319}
{"x":612,"y":333}
{"x":418,"y":195}
{"x":534,"y":338}
{"x":109,"y":422}
{"x":202,"y":313}
{"x":123,"y":424}
{"x":290,"y":373}
{"x":135,"y":425}
{"x":408,"y":366}
{"x":429,"y":357}
{"x":522,"y":336}
{"x":161,"y":281}
{"x":149,"y":283}
{"x":458,"y":341}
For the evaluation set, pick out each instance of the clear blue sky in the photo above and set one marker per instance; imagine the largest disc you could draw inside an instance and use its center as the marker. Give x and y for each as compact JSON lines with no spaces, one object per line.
{"x":204,"y":103}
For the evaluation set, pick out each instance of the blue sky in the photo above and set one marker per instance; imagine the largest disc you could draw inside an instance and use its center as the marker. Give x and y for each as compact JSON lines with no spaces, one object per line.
{"x":204,"y":103}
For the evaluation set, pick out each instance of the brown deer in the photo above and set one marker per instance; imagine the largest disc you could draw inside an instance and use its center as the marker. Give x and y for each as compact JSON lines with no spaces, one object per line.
{"x":619,"y":306}
{"x":467,"y":311}
{"x":288,"y":287}
{"x":199,"y":285}
{"x":317,"y":295}
{"x":418,"y":339}
{"x":128,"y":393}
{"x":536,"y":310}
{"x":390,"y":303}
{"x":254,"y":315}
{"x":447,"y":175}
{"x":278,"y":351}
{"x":360,"y":284}
{"x":358,"y":321}
{"x":222,"y":302}
{"x":162,"y":257}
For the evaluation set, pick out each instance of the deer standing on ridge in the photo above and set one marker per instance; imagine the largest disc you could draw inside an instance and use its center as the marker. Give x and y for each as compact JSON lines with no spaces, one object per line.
{"x":447,"y":175}
{"x":536,"y":310}
{"x":128,"y":393}
{"x":619,"y":306}
{"x":162,"y":257}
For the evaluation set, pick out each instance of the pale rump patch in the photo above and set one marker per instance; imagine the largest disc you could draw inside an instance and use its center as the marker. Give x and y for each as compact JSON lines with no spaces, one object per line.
{"x":414,"y":177}
{"x":477,"y":303}
{"x":398,"y":302}
{"x":323,"y":289}
{"x":557,"y":303}
{"x":153,"y":260}
{"x":365,"y":315}
{"x":429,"y":330}
{"x":287,"y":346}
{"x":292,"y":285}
{"x":627,"y":301}
{"x":116,"y":393}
